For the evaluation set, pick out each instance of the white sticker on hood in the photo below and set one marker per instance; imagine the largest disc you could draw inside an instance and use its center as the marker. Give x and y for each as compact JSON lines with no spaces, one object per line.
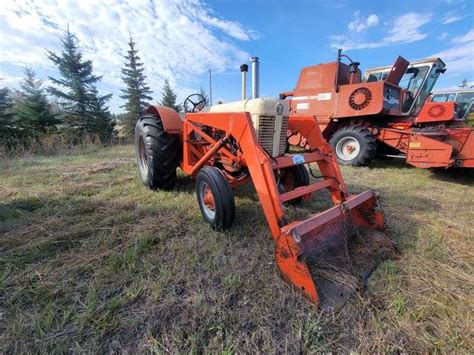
{"x":324,"y":96}
{"x":302,"y":106}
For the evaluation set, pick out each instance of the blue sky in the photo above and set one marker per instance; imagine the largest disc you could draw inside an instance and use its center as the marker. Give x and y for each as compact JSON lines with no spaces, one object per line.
{"x":181,"y":40}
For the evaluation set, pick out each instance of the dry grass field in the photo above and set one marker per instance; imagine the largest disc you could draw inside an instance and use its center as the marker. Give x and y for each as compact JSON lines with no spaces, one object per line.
{"x":91,"y":261}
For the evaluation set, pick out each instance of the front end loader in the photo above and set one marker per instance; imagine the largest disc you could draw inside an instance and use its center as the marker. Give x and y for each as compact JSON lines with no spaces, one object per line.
{"x":328,"y":256}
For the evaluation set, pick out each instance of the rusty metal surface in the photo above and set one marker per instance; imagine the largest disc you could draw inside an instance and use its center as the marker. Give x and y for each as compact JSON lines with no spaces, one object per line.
{"x":341,"y":268}
{"x":172,"y":123}
{"x":331,"y":255}
{"x":397,"y":71}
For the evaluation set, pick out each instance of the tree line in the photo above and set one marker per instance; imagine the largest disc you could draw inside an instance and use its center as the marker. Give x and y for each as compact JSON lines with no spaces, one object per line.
{"x":72,"y":106}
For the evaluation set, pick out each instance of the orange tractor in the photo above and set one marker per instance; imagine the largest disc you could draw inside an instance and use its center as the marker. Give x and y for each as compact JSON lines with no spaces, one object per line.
{"x":327,"y":256}
{"x":388,"y":112}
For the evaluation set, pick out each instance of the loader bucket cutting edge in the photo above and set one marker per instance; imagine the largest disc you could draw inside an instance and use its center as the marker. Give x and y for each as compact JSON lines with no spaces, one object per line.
{"x":331,"y":255}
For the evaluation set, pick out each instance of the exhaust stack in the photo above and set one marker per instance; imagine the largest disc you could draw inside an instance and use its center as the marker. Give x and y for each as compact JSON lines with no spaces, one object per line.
{"x":255,"y":77}
{"x":244,"y":68}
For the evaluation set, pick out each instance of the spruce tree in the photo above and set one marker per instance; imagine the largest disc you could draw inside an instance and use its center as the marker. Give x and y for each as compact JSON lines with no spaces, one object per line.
{"x":100,"y":121}
{"x":73,"y":87}
{"x":168,"y":97}
{"x":7,"y":124}
{"x":33,"y":110}
{"x":136,"y":93}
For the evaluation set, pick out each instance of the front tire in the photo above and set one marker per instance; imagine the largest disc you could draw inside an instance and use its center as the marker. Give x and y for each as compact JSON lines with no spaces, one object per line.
{"x":291,"y":178}
{"x":157,"y":152}
{"x":354,"y":145}
{"x":215,"y":198}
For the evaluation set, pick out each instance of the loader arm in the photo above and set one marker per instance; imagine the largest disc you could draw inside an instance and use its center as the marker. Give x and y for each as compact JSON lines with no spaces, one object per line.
{"x":301,"y":247}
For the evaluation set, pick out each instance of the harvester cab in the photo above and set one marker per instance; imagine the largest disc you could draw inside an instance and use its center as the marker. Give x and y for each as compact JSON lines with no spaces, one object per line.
{"x":328,"y":256}
{"x":416,"y":83}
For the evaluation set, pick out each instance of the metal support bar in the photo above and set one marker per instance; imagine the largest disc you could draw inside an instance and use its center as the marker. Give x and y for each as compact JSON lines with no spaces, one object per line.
{"x":208,"y":138}
{"x":286,"y":161}
{"x":305,"y":190}
{"x":331,"y":214}
{"x":208,"y":155}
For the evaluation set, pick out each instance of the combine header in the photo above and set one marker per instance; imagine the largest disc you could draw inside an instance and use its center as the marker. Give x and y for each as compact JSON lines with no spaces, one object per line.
{"x":328,"y":256}
{"x":388,"y":112}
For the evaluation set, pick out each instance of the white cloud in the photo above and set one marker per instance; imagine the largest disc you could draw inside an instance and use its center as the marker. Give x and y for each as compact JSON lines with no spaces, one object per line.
{"x":468,"y":37}
{"x":360,"y":24}
{"x":460,"y":57}
{"x":372,"y":20}
{"x":406,"y":28}
{"x":9,"y":80}
{"x":177,"y":39}
{"x":443,"y":36}
{"x":233,"y":29}
{"x":403,"y":29}
{"x":452,"y":19}
{"x":469,"y":84}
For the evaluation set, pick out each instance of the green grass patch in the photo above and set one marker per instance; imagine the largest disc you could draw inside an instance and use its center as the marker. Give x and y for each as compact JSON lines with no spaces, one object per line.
{"x":91,"y":261}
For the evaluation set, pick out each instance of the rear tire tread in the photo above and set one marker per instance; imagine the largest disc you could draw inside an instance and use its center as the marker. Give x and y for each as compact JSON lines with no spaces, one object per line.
{"x":162,"y":151}
{"x":368,"y":144}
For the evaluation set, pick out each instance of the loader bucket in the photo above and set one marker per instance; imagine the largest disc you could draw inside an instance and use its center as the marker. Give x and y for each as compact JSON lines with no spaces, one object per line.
{"x":331,"y":255}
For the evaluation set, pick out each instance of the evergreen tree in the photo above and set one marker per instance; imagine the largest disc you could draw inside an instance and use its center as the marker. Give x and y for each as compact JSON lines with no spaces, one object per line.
{"x":33,"y":110}
{"x":7,"y":124}
{"x":168,"y":97}
{"x":76,"y":81}
{"x":100,"y":121}
{"x":136,"y":93}
{"x":463,"y":83}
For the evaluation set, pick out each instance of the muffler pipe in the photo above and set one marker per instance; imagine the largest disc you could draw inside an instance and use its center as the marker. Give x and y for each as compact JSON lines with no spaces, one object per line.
{"x":255,"y":77}
{"x":244,"y":68}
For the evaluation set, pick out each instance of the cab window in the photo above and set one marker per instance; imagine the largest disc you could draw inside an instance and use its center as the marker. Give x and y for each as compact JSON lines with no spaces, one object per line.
{"x":440,"y":98}
{"x":377,"y":77}
{"x":448,"y":97}
{"x":464,"y":101}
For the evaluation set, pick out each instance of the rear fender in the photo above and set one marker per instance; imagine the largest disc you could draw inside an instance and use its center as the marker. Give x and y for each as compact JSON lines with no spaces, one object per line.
{"x":172,"y":123}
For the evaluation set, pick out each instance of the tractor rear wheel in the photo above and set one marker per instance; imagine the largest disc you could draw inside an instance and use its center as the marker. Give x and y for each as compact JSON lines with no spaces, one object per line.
{"x":291,"y":178}
{"x":215,"y":198}
{"x":354,"y":145}
{"x":158,"y":153}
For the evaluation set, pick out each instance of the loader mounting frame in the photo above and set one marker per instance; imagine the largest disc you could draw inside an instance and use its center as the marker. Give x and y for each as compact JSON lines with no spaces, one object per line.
{"x":207,"y":139}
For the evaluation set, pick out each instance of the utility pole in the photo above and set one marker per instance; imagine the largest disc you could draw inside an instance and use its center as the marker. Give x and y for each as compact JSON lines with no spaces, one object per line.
{"x":210,"y":87}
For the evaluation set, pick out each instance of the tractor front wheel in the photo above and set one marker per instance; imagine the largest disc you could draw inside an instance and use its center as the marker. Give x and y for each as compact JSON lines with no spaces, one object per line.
{"x":291,"y":178}
{"x":354,"y":145}
{"x":158,"y":153}
{"x":215,"y":198}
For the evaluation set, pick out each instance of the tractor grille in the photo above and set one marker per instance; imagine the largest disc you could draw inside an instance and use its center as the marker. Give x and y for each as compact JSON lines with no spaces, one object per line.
{"x":272,"y":134}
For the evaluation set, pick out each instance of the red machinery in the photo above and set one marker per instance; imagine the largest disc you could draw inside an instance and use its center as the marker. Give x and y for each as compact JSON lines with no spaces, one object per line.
{"x":327,"y":256}
{"x":389,"y":110}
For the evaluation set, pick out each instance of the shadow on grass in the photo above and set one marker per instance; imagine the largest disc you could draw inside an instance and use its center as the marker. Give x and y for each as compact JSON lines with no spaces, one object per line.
{"x":454,"y":175}
{"x":463,"y":176}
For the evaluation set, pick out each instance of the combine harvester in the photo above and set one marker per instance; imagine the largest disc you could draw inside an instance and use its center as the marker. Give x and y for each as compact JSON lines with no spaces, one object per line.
{"x":328,"y":256}
{"x":463,"y":97}
{"x":388,"y":111}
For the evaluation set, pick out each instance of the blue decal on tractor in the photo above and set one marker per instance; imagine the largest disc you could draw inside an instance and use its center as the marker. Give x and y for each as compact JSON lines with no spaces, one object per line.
{"x":298,"y":159}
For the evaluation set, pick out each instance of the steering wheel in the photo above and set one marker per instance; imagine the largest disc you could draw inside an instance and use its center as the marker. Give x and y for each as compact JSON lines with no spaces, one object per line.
{"x":194,"y":103}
